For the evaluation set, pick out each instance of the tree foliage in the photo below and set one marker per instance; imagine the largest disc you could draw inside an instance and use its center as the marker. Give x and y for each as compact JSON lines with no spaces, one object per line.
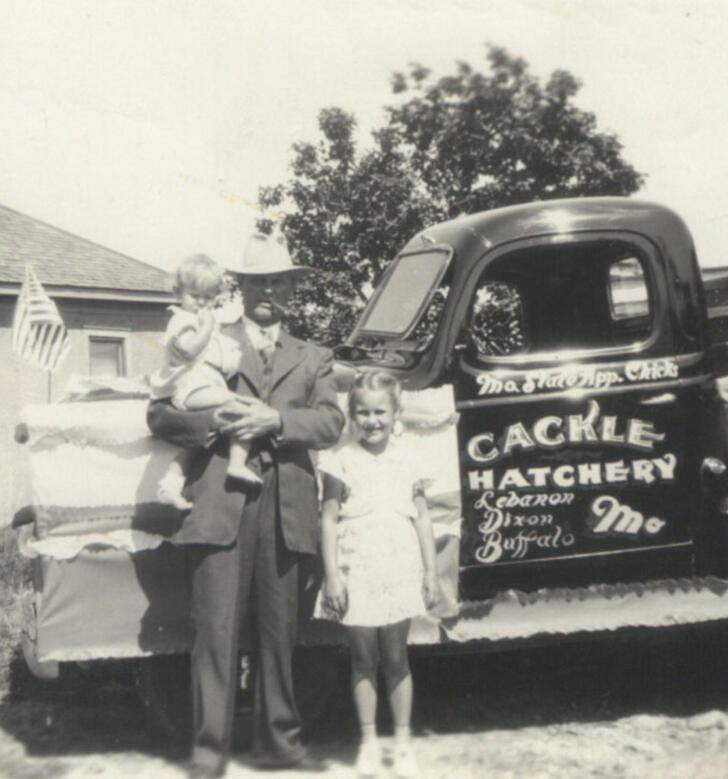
{"x":462,"y":143}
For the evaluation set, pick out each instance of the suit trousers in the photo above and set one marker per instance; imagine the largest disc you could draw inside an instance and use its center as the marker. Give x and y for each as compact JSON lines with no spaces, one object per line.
{"x":255,"y":573}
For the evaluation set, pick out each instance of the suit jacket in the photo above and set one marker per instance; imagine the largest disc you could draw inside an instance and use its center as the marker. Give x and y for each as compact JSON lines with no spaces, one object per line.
{"x":302,"y":390}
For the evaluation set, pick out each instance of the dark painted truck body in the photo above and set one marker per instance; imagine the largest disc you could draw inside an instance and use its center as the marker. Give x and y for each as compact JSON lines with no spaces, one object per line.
{"x":574,"y":334}
{"x":590,"y":440}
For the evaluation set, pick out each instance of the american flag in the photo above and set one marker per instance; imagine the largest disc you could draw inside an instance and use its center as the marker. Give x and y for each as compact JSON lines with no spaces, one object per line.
{"x":39,"y":335}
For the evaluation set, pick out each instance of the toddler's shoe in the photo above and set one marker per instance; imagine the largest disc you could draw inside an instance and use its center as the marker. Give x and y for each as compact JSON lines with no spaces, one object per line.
{"x":169,"y":492}
{"x":369,"y":759}
{"x":405,"y":763}
{"x":244,"y":473}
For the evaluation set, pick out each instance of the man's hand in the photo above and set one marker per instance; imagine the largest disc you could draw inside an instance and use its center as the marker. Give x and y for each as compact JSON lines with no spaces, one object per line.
{"x":246,"y":418}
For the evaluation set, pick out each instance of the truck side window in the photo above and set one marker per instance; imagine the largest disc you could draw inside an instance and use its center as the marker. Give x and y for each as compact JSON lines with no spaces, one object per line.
{"x":628,"y":298}
{"x":559,"y":298}
{"x":496,"y":319}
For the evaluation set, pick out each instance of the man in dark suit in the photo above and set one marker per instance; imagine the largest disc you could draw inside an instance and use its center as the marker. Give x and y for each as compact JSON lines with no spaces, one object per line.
{"x":246,"y":542}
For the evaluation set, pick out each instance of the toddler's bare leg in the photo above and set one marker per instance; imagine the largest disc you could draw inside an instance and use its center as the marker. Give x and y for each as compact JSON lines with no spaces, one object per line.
{"x":169,"y":489}
{"x":238,"y":468}
{"x":207,"y":397}
{"x":211,"y":397}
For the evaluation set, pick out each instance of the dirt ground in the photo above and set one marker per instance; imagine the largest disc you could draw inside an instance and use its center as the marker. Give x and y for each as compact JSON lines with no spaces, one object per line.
{"x":628,"y":705}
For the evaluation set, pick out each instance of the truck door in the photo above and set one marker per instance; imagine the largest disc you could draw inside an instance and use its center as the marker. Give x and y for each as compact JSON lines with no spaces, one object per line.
{"x":579,"y":459}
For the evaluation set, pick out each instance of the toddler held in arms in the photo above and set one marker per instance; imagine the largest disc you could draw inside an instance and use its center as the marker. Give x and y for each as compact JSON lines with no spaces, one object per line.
{"x":198,"y":358}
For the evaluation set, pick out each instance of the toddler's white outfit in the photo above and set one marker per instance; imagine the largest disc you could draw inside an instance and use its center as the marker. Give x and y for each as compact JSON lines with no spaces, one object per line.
{"x":177,"y":379}
{"x":378,"y":550}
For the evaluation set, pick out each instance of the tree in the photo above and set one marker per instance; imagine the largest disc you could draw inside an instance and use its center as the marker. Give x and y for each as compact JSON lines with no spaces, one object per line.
{"x":462,"y":143}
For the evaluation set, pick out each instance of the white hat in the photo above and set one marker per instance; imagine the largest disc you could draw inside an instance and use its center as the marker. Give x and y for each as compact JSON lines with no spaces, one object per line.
{"x":267,"y":254}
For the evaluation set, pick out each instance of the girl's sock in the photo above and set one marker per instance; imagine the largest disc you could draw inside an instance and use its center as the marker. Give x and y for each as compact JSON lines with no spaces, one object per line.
{"x":368,"y":732}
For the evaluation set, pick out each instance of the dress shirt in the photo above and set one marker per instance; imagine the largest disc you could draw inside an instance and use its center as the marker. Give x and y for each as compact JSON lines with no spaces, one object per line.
{"x":259,"y":336}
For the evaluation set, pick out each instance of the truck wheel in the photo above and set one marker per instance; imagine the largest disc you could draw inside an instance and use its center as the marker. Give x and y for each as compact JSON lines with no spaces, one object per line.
{"x":711,"y":539}
{"x":41,"y":669}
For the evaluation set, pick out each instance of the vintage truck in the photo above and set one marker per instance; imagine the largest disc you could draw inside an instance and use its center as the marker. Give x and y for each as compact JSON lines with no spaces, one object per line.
{"x":580,"y":488}
{"x":591,"y":432}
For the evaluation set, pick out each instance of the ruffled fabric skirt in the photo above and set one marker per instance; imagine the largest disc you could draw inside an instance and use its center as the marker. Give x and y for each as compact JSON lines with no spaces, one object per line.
{"x":380,"y":560}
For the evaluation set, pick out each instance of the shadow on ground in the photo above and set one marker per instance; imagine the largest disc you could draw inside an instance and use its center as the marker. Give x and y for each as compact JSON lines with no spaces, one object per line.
{"x":675,"y":672}
{"x":86,"y":710}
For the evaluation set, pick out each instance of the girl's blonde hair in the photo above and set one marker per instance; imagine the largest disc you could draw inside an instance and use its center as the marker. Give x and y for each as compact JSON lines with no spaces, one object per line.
{"x":374,"y":380}
{"x":199,"y":272}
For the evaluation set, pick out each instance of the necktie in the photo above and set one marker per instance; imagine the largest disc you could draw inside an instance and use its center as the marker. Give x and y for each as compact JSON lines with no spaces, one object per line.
{"x":267,"y":345}
{"x":266,"y":350}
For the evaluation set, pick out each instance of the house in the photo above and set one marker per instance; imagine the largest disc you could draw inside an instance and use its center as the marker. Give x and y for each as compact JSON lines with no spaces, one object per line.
{"x":113,"y":306}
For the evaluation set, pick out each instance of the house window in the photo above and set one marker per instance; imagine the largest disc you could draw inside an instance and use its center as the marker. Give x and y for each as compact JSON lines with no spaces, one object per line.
{"x":106,"y":356}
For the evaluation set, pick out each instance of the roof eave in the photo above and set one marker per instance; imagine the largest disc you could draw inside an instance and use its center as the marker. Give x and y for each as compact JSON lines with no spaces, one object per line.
{"x":95,"y":293}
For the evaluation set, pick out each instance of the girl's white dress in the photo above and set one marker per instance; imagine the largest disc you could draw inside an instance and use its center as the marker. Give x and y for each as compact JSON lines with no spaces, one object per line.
{"x":378,"y":549}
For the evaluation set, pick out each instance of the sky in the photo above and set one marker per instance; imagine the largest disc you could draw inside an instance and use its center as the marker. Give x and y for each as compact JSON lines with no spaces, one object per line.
{"x":148,"y":125}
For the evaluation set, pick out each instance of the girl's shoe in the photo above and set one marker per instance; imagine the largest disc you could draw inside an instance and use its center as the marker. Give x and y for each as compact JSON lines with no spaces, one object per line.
{"x":369,"y":760}
{"x":405,"y":764}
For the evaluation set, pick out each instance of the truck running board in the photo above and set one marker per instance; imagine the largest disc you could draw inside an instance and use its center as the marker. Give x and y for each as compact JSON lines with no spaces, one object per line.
{"x":517,"y":615}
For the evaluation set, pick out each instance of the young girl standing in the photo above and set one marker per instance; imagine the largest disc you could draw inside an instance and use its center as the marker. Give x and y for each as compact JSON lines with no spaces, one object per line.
{"x":379,"y":559}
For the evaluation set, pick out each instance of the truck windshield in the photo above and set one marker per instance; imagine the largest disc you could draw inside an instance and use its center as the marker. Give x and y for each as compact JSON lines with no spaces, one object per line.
{"x":404,"y":294}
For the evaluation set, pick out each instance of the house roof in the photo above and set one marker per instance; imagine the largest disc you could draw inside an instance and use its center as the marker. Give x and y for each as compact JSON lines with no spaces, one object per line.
{"x":72,"y":266}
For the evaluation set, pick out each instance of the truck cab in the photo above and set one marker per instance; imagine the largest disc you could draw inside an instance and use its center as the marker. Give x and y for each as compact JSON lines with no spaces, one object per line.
{"x":591,"y":431}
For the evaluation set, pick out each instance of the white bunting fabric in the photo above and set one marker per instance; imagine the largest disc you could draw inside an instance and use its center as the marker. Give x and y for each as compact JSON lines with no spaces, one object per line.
{"x":94,"y":464}
{"x":39,"y":335}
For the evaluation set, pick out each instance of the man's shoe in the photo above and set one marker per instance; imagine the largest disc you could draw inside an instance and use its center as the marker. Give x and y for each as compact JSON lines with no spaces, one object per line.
{"x":306,"y":763}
